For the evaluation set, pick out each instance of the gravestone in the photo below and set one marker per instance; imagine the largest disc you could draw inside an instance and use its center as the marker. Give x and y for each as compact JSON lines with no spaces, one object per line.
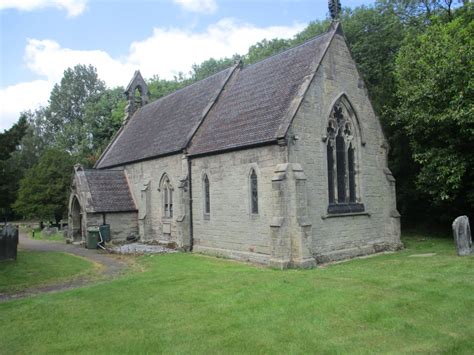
{"x":49,"y":231}
{"x":462,"y":235}
{"x":8,"y":242}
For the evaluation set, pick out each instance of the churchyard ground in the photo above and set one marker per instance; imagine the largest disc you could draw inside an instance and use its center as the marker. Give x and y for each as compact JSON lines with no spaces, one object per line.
{"x":417,"y":300}
{"x":40,"y":268}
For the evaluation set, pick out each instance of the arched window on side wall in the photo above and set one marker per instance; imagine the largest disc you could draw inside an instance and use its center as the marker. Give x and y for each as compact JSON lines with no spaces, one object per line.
{"x":254,"y":192}
{"x":167,"y":193}
{"x":207,"y":195}
{"x":342,"y":145}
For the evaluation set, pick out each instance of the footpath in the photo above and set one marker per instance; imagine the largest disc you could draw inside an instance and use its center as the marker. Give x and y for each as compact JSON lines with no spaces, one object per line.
{"x":111,"y":265}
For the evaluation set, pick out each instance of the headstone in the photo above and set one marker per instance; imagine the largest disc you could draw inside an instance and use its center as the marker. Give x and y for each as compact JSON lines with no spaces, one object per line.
{"x":8,"y":242}
{"x":49,"y":231}
{"x":462,"y":235}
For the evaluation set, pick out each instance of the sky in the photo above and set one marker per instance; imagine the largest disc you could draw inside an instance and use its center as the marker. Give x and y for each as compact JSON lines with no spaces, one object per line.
{"x":39,"y":39}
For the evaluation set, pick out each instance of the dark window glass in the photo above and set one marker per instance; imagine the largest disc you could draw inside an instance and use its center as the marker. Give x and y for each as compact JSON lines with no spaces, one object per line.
{"x":170,"y":191}
{"x":254,"y":191}
{"x":207,"y":197}
{"x":352,"y":187}
{"x":331,"y":172}
{"x":341,"y":169}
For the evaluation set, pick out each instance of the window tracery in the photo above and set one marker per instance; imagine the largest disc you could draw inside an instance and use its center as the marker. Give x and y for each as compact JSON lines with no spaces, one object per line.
{"x":342,"y":162}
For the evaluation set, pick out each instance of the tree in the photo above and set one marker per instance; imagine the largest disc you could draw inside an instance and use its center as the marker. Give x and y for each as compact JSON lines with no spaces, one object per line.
{"x":435,"y":88}
{"x":10,"y":138}
{"x":9,"y":171}
{"x":265,"y":49}
{"x":313,"y":29}
{"x":65,"y":119}
{"x":374,"y":35}
{"x":44,"y":190}
{"x":212,"y":66}
{"x":103,"y":118}
{"x":162,"y":87}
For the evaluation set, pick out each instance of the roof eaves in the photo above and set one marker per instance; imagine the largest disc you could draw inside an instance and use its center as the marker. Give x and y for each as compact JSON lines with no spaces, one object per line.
{"x":233,"y":148}
{"x":128,"y":162}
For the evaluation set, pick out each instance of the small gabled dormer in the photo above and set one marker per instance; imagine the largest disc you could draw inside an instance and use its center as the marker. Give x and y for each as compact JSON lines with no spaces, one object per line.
{"x":136,"y":93}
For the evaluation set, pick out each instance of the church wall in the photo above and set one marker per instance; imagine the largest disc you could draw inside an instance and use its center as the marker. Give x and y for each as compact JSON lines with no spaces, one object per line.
{"x":144,"y":179}
{"x":347,"y":235}
{"x":122,"y":225}
{"x":231,"y":230}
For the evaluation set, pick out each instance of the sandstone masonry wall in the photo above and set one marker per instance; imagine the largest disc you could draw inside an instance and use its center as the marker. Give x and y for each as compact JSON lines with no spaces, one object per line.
{"x":231,"y":230}
{"x":348,"y":235}
{"x":144,"y":179}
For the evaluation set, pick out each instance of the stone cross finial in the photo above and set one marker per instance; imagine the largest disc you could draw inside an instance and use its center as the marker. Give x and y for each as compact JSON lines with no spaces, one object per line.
{"x":334,"y":9}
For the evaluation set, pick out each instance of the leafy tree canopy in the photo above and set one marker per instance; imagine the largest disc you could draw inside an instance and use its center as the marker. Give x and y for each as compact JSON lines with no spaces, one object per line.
{"x":44,"y":190}
{"x":10,"y":139}
{"x":65,"y":119}
{"x":9,"y":171}
{"x":434,"y":72}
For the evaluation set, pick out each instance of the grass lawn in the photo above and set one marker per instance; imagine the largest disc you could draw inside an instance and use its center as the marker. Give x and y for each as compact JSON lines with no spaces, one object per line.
{"x":34,"y":268}
{"x":38,"y":235}
{"x":185,"y":303}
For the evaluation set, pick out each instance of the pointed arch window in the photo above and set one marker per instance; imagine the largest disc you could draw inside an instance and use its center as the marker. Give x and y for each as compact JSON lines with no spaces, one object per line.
{"x":254,"y":192}
{"x":207,"y":195}
{"x":167,"y":194}
{"x":342,"y":164}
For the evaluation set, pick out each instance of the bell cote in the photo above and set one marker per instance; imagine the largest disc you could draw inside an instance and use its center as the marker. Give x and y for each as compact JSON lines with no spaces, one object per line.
{"x":136,"y":93}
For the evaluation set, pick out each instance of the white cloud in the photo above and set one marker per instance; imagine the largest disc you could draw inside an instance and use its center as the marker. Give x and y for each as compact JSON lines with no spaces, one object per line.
{"x":21,"y":97}
{"x":73,"y":7}
{"x":202,"y":6}
{"x":48,"y":59}
{"x":170,"y":51}
{"x":166,"y":52}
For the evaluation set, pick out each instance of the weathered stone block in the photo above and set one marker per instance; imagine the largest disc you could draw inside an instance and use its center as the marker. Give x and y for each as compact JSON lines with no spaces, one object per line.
{"x":462,"y":236}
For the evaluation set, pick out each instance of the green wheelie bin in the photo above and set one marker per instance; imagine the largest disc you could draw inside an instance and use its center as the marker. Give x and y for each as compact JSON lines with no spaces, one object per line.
{"x":92,"y":237}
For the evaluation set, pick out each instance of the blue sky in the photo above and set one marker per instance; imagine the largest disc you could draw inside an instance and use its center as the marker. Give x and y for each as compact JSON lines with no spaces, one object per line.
{"x":39,"y":39}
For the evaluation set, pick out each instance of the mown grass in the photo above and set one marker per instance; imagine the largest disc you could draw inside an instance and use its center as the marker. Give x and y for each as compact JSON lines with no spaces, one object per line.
{"x":185,"y":303}
{"x":37,"y":234}
{"x":34,"y":268}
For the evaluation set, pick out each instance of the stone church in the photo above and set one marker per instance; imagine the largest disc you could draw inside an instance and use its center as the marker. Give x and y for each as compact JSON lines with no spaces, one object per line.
{"x":282,"y":162}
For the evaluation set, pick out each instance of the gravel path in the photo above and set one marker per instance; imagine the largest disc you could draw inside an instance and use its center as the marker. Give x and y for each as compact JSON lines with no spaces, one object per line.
{"x":112,"y":265}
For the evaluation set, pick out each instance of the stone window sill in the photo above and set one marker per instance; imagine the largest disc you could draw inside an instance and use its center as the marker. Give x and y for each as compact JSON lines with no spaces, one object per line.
{"x":207,"y":216}
{"x":334,"y":215}
{"x":345,"y":209}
